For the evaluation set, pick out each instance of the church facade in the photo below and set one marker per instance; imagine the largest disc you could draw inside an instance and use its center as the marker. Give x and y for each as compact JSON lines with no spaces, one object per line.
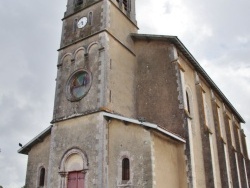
{"x":133,"y":111}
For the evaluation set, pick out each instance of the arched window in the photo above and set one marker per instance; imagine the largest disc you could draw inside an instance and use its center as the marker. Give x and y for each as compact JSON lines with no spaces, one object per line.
{"x":90,"y":20}
{"x":75,"y":25}
{"x":125,"y":3}
{"x":125,"y":169}
{"x":42,"y":177}
{"x":188,"y":103}
{"x":79,"y":2}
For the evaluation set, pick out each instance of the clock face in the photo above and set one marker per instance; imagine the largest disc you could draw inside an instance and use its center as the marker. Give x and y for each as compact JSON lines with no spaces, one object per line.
{"x":82,"y":22}
{"x":78,"y":85}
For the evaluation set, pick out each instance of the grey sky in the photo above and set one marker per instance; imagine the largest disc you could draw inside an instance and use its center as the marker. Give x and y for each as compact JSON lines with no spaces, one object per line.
{"x":216,"y":32}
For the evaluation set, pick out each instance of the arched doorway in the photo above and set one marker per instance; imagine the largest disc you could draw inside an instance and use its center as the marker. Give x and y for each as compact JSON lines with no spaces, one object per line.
{"x":73,"y":169}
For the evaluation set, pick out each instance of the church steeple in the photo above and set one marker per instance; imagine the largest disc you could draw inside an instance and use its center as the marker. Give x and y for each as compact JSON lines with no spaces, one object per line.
{"x":98,"y":15}
{"x":94,"y":33}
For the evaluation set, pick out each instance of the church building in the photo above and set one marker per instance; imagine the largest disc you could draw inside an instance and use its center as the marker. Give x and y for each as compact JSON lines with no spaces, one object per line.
{"x":133,"y":111}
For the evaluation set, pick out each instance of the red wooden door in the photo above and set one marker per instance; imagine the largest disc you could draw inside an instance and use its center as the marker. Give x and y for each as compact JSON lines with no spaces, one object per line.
{"x":80,"y":182}
{"x":76,"y":180}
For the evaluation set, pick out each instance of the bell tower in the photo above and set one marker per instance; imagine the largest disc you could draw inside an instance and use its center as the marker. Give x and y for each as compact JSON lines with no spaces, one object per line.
{"x":96,"y":67}
{"x":96,"y":59}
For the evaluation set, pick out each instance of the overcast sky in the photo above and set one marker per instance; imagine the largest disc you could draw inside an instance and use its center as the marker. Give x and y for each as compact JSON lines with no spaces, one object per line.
{"x":216,"y":32}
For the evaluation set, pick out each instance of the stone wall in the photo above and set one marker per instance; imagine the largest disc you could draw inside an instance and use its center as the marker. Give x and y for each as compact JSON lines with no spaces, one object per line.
{"x":133,"y":142}
{"x":157,"y":87}
{"x":85,"y":134}
{"x":38,"y":158}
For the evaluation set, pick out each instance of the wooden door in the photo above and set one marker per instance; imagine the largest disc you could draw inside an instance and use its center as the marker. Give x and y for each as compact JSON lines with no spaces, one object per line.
{"x":76,"y":180}
{"x":80,"y":182}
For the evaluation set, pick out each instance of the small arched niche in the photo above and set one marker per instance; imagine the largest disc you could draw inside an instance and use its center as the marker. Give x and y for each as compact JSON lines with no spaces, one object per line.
{"x":66,"y":61}
{"x":93,"y":52}
{"x":79,"y":57}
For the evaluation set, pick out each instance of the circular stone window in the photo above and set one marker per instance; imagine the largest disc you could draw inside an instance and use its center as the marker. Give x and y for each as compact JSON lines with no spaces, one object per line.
{"x":78,"y":85}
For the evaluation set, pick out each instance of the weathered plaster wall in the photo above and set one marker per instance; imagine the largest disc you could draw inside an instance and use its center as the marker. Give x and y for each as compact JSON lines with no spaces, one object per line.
{"x":121,"y":79}
{"x":169,"y":163}
{"x":70,"y":32}
{"x":71,"y":59}
{"x":85,"y":133}
{"x":120,"y":26}
{"x":156,"y":87}
{"x":130,"y":14}
{"x":216,"y":177}
{"x":221,"y":139}
{"x":134,"y":142}
{"x":110,"y":61}
{"x":38,"y":157}
{"x":241,"y":177}
{"x":231,"y":149}
{"x":195,"y":123}
{"x":217,"y":129}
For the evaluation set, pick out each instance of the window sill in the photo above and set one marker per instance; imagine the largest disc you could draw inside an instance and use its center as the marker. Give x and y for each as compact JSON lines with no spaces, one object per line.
{"x":234,"y":149}
{"x":187,"y":114}
{"x":125,"y":184}
{"x":223,"y":140}
{"x":207,"y":128}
